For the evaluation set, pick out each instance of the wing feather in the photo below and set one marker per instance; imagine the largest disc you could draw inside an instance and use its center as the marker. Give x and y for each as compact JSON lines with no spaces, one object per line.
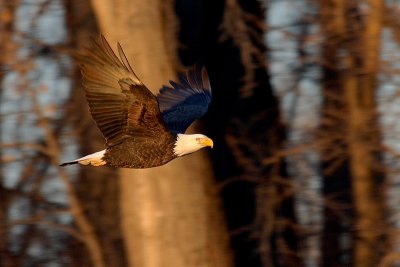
{"x":185,"y":101}
{"x":125,"y":61}
{"x":118,"y":101}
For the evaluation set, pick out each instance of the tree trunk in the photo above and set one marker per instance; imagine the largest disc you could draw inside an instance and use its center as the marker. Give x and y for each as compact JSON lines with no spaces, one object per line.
{"x":335,"y":170}
{"x":247,"y":129}
{"x":351,"y":62}
{"x":7,"y":53}
{"x":364,"y":135}
{"x":170,"y":214}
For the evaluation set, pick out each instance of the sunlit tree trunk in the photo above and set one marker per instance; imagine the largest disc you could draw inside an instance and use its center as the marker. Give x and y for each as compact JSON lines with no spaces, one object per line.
{"x":351,"y":60}
{"x":335,"y":169}
{"x":170,"y":214}
{"x":364,"y":135}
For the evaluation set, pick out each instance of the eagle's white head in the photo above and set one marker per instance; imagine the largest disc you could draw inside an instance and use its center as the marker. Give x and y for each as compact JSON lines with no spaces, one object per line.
{"x":189,"y":143}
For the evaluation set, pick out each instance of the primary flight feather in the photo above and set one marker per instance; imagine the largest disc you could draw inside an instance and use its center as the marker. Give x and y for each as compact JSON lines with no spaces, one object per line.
{"x":141,"y":130}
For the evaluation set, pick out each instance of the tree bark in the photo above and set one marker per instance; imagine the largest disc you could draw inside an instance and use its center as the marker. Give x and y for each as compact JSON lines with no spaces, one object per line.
{"x":351,"y":62}
{"x":335,"y":170}
{"x":360,"y":85}
{"x":247,"y":129}
{"x":7,"y":54}
{"x":170,"y":214}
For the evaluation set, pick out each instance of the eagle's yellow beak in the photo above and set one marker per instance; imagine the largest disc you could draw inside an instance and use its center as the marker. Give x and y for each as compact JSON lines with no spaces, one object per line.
{"x":206,"y":142}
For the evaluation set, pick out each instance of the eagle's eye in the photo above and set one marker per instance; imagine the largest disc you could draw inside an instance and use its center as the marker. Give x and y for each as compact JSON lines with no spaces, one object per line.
{"x":197,"y":139}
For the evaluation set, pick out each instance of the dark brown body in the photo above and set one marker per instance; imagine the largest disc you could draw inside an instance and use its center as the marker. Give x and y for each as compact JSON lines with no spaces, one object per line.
{"x":141,"y":153}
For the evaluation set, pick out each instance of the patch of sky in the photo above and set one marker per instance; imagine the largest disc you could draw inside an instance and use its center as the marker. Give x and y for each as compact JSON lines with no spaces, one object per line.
{"x":51,"y":25}
{"x":282,"y":13}
{"x":295,"y":82}
{"x":53,"y":189}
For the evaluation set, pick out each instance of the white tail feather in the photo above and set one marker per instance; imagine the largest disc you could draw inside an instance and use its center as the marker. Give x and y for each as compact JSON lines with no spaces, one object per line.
{"x":95,"y":159}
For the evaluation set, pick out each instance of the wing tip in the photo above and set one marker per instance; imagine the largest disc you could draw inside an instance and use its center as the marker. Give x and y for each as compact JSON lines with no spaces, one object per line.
{"x":205,"y":79}
{"x":200,"y":72}
{"x":194,"y":80}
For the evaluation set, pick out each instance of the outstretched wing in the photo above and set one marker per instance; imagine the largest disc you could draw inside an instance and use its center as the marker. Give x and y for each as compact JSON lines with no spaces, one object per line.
{"x":119,"y":102}
{"x":183,"y":102}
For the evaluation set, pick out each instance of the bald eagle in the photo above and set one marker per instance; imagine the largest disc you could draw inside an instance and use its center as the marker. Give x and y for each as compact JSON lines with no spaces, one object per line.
{"x":142,"y":130}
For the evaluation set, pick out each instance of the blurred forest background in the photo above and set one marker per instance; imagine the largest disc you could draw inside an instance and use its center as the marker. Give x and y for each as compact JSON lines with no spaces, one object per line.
{"x":305,"y":167}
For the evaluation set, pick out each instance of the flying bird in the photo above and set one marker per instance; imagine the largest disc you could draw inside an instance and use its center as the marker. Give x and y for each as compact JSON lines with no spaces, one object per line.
{"x":142,"y":130}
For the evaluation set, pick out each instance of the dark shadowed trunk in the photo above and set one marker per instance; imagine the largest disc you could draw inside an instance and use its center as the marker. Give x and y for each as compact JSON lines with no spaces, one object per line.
{"x":335,"y":170}
{"x":244,"y":121}
{"x":7,"y":16}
